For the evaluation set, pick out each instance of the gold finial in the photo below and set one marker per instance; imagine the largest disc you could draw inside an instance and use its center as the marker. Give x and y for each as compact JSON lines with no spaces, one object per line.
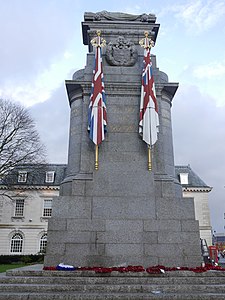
{"x":98,"y":41}
{"x":147,"y":42}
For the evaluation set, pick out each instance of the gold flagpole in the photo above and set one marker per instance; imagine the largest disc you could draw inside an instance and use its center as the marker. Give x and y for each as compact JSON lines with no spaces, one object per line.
{"x":148,"y":43}
{"x":96,"y":157}
{"x":97,"y":42}
{"x":149,"y":158}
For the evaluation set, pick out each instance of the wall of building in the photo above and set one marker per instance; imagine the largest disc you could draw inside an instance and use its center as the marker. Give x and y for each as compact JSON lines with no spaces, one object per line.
{"x":31,"y":226}
{"x":202,"y":213}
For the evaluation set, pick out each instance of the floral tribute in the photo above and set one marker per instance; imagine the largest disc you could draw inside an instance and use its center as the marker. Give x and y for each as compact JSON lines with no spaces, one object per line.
{"x":150,"y":270}
{"x":64,"y":267}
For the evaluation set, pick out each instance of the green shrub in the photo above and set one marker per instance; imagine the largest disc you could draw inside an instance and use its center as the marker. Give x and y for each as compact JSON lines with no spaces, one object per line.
{"x":28,"y":259}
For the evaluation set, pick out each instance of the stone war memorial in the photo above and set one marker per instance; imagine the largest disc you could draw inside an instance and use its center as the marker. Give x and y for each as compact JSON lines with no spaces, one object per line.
{"x":120,"y":204}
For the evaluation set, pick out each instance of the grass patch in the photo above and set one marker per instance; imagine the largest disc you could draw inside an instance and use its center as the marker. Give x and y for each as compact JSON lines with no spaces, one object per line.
{"x":5,"y":267}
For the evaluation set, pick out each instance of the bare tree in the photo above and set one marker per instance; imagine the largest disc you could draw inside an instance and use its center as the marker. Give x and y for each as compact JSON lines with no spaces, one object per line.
{"x":19,"y":140}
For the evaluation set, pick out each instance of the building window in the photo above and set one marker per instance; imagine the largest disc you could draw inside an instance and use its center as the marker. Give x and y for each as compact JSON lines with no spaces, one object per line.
{"x":49,"y":177}
{"x":43,"y":243}
{"x":22,"y":176}
{"x":16,"y":243}
{"x":184,"y":178}
{"x":47,"y":211}
{"x":19,"y":209}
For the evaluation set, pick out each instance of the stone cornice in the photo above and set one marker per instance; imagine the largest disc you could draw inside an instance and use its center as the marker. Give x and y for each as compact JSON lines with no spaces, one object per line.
{"x":25,"y":225}
{"x":197,"y":189}
{"x":29,"y":187}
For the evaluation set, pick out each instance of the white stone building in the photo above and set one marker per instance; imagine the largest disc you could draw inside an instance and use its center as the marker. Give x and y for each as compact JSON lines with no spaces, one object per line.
{"x":193,"y":186}
{"x":24,"y":215}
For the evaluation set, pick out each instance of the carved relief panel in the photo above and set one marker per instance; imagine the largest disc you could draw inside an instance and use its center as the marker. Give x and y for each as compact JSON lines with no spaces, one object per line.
{"x":121,"y":52}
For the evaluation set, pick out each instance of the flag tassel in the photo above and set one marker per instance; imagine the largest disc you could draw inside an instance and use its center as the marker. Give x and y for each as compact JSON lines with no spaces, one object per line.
{"x":149,"y":159}
{"x":96,"y":157}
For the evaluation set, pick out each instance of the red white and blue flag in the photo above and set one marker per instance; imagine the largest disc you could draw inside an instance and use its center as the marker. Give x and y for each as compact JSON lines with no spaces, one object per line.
{"x":97,"y":117}
{"x":149,"y":118}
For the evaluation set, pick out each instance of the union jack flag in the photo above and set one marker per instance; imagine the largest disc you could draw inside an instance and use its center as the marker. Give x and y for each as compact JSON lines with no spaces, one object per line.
{"x":149,"y":118}
{"x":97,"y":117}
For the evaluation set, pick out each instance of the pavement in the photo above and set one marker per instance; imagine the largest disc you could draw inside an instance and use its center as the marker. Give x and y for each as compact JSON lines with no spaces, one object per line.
{"x":37,"y":267}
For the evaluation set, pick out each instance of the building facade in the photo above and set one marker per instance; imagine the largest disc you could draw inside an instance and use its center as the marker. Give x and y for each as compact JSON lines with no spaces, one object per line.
{"x":193,"y":186}
{"x":26,"y":206}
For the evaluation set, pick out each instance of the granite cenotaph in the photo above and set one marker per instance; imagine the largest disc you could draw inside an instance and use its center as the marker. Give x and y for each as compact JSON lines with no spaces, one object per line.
{"x":123,"y":213}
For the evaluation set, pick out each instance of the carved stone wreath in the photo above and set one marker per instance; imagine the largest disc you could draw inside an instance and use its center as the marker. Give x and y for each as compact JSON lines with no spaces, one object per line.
{"x":121,"y":52}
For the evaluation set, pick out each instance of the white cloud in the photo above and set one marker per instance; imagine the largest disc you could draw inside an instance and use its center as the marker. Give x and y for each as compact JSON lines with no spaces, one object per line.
{"x":213,"y":70}
{"x":30,"y":92}
{"x":210,"y":80}
{"x":136,"y":9}
{"x":197,"y":15}
{"x":68,"y":55}
{"x":200,"y":15}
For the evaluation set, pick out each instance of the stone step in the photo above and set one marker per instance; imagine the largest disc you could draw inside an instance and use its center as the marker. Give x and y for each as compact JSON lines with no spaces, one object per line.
{"x":70,"y":285}
{"x":164,"y":279}
{"x":104,"y":296}
{"x":112,"y":288}
{"x":177,"y":274}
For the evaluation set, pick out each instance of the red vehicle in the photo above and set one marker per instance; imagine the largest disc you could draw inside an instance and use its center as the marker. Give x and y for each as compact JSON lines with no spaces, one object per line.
{"x":213,"y":253}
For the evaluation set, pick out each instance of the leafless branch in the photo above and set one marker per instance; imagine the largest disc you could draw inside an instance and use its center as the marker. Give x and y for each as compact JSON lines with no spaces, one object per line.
{"x":19,"y":141}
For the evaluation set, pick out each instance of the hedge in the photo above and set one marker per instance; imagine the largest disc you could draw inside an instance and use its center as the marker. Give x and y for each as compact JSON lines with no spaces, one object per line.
{"x":28,"y":259}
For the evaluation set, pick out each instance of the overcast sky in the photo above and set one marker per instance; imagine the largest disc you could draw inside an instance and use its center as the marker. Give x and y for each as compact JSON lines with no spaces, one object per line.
{"x":41,"y":47}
